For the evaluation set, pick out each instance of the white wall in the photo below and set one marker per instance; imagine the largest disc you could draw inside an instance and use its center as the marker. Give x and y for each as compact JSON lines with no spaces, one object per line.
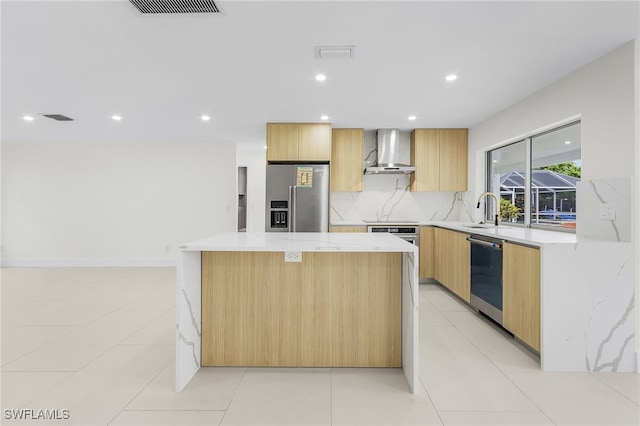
{"x":113,"y":204}
{"x":255,"y":160}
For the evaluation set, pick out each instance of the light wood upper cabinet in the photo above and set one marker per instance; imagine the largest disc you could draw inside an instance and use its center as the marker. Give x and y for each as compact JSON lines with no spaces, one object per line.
{"x":453,"y":160}
{"x":298,"y":142}
{"x":427,"y":251}
{"x":521,"y":292}
{"x":425,"y":155}
{"x":346,"y":159}
{"x":282,"y":142}
{"x":440,"y":157}
{"x":314,"y":142}
{"x":453,"y":262}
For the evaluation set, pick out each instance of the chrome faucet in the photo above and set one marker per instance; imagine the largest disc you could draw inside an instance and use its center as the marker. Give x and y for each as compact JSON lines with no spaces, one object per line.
{"x":495,"y":197}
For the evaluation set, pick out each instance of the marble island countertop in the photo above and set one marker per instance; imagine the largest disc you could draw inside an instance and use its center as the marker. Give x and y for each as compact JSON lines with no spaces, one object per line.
{"x":301,"y":241}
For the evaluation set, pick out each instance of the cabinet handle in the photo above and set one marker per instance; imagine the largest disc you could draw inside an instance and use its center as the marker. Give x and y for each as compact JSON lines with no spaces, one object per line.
{"x":496,"y":246}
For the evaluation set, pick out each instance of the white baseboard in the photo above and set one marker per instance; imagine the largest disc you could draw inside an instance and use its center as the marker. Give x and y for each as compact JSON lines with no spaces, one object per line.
{"x":87,"y":262}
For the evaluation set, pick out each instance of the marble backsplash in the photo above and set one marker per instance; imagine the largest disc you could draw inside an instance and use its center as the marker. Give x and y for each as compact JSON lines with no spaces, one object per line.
{"x":388,"y":198}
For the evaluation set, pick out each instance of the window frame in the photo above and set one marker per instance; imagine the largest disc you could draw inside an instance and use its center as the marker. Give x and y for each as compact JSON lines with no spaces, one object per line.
{"x":528,"y":143}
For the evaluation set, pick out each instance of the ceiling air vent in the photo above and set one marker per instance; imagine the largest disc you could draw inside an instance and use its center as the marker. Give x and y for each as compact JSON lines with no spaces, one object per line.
{"x":58,"y":117}
{"x":175,"y":6}
{"x":334,"y":52}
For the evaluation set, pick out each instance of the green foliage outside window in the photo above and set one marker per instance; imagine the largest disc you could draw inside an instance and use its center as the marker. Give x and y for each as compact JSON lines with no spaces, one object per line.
{"x":508,"y":211}
{"x":568,"y":168}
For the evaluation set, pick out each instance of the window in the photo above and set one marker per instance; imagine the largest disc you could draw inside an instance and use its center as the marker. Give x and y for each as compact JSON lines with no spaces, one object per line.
{"x":536,"y":179}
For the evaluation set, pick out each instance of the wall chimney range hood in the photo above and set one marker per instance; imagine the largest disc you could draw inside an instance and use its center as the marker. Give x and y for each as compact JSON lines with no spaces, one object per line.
{"x":388,"y":158}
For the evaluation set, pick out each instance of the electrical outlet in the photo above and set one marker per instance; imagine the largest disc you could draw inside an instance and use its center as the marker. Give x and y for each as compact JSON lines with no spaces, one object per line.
{"x":607,"y":211}
{"x":293,"y":256}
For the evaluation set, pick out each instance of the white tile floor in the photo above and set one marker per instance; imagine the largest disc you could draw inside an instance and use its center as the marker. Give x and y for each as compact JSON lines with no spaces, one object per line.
{"x":99,"y":342}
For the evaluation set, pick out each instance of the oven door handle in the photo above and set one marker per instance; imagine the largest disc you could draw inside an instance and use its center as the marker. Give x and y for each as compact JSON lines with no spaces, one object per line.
{"x":490,"y":244}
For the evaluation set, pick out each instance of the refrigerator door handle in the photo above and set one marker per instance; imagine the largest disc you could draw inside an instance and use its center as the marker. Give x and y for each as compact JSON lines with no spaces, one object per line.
{"x":292,"y":207}
{"x":290,"y":210}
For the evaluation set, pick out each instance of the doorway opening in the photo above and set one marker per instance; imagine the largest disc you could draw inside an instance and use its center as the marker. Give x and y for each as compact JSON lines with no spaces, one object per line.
{"x":242,"y":199}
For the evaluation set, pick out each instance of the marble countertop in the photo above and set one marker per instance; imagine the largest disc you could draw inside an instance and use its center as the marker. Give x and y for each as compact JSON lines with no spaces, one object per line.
{"x":367,"y":223}
{"x":301,"y":241}
{"x":517,"y":234}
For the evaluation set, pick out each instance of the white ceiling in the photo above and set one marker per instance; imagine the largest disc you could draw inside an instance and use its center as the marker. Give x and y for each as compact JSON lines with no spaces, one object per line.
{"x":255,"y":63}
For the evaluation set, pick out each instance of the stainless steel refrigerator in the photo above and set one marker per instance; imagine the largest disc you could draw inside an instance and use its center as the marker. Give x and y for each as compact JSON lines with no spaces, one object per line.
{"x":297,"y":198}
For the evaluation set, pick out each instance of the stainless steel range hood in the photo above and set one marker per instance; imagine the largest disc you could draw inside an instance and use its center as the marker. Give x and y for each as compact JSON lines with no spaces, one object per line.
{"x":388,"y":158}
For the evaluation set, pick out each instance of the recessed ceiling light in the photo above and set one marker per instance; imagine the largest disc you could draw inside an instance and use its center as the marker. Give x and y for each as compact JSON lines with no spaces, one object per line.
{"x":116,"y":117}
{"x":567,"y":142}
{"x":411,"y":117}
{"x":205,"y":117}
{"x":321,"y":77}
{"x":27,"y":118}
{"x":324,"y":117}
{"x":451,"y":77}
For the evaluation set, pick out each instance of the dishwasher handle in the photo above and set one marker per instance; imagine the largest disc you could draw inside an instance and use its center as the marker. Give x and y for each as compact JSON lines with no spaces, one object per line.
{"x":491,"y":244}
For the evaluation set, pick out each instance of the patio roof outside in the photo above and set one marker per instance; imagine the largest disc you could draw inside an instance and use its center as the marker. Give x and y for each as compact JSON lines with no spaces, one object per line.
{"x":553,"y":195}
{"x":541,"y":180}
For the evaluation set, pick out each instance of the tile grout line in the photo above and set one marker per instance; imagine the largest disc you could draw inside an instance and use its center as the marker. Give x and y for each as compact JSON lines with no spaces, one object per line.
{"x":331,"y":396}
{"x":47,"y":343}
{"x":595,"y":375}
{"x":226,"y":411}
{"x":431,"y":400}
{"x":506,"y":376}
{"x":147,"y":324}
{"x":140,"y":391}
{"x":25,"y":405}
{"x":496,"y":366}
{"x":86,"y":325}
{"x":419,"y":377}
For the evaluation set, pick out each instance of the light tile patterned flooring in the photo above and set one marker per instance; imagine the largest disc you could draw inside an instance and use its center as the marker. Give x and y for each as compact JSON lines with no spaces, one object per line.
{"x":99,"y":342}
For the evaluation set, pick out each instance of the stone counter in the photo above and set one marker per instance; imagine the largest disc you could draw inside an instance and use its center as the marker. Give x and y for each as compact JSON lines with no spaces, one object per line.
{"x":189,"y":281}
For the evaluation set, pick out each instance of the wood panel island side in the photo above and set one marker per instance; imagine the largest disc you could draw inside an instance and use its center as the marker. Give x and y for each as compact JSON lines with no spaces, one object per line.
{"x":350,"y":301}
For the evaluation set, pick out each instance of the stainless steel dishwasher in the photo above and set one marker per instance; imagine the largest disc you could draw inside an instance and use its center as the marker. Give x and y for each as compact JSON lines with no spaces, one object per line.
{"x":486,"y":276}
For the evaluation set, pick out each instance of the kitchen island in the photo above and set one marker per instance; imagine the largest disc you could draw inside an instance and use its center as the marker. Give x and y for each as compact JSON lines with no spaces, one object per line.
{"x":297,"y":300}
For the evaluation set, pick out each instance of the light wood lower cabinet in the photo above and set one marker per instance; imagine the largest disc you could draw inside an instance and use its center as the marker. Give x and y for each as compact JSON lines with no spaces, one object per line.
{"x":427,"y":251}
{"x":330,"y":310}
{"x":521,"y":293}
{"x":453,"y":262}
{"x":347,"y":229}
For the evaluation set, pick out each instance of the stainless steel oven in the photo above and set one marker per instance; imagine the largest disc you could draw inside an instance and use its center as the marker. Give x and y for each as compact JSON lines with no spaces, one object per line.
{"x":406,"y":232}
{"x":486,"y":276}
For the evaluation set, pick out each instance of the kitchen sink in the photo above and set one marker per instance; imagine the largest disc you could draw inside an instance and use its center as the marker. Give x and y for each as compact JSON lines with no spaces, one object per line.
{"x":484,"y":226}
